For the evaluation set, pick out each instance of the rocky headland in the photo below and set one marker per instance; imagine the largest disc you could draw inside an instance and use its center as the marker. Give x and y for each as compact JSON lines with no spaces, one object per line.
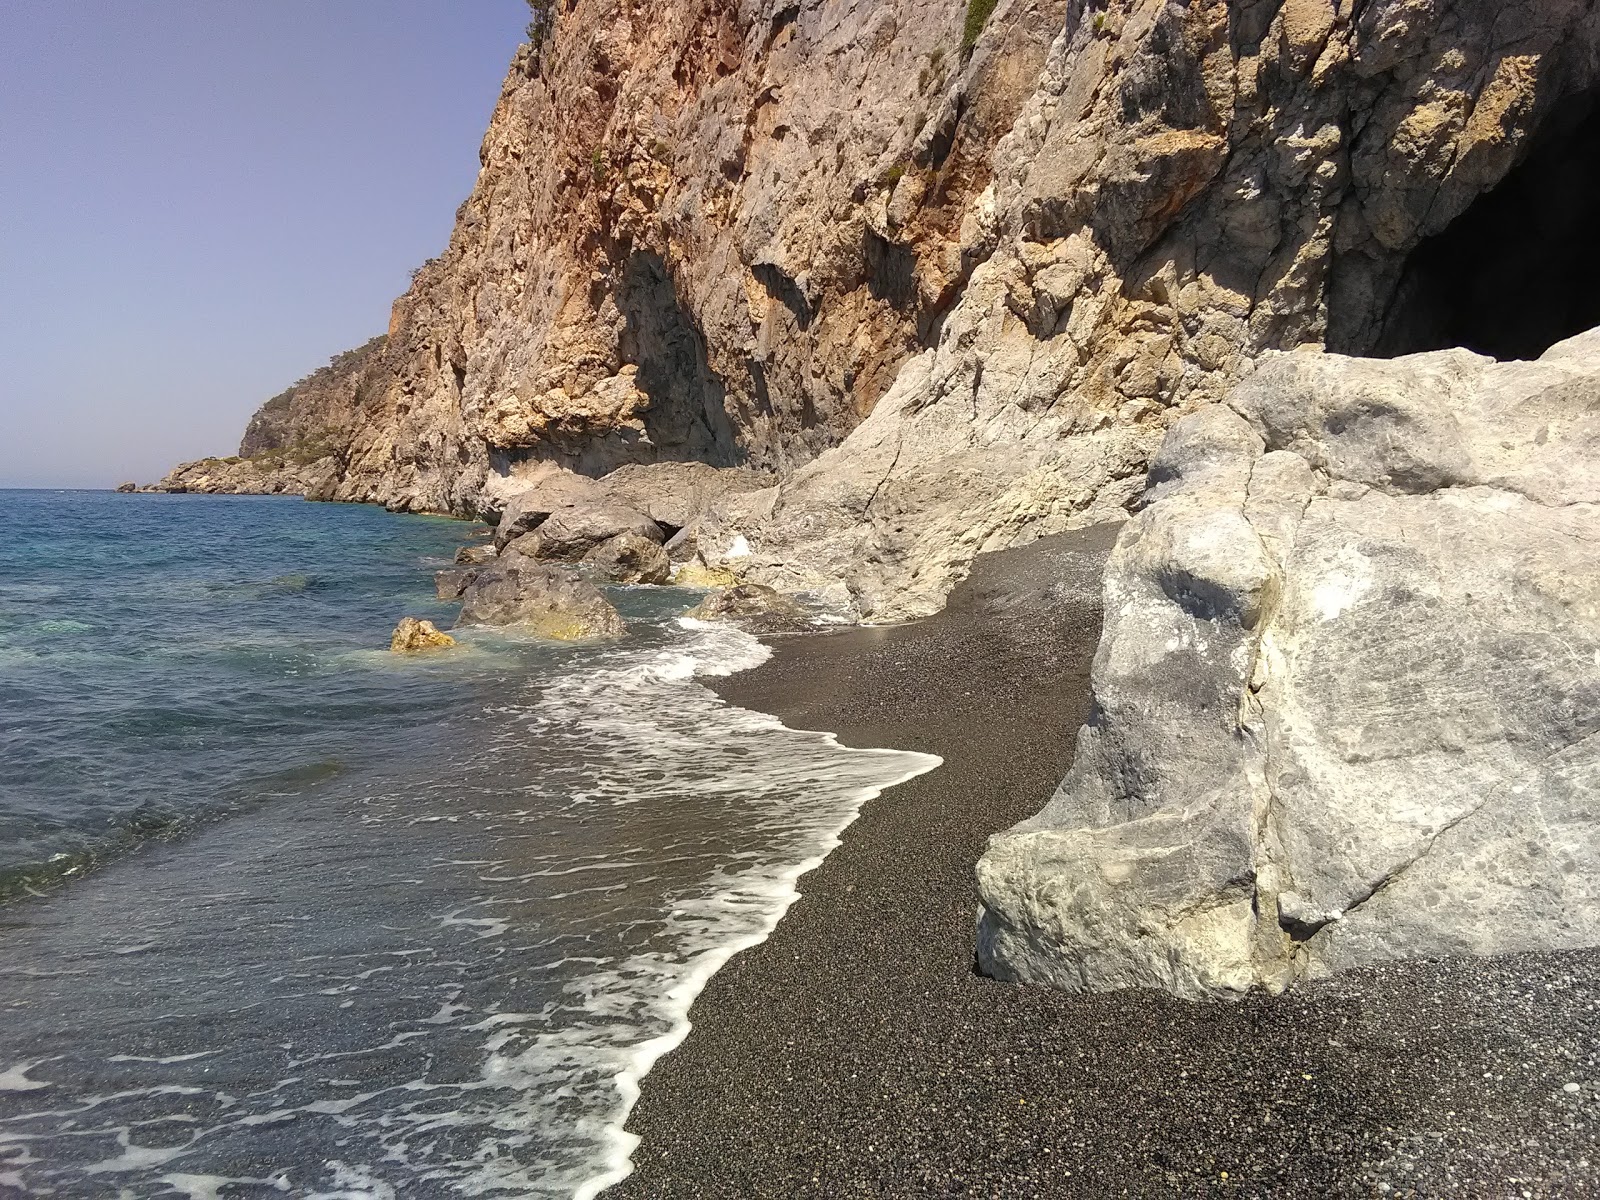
{"x":817,"y":303}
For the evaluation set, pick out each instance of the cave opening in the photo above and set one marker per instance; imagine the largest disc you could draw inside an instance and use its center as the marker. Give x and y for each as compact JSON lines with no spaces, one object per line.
{"x":1520,"y":269}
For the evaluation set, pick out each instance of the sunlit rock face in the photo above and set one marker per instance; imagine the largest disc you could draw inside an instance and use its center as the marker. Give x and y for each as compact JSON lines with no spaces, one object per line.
{"x":949,"y":293}
{"x":1348,"y":691}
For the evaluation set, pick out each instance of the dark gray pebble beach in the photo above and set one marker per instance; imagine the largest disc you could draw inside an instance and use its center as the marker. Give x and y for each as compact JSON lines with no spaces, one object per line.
{"x":856,"y":1053}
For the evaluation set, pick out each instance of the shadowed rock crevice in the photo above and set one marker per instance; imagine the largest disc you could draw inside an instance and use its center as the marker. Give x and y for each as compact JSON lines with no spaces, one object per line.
{"x":1515,"y":273}
{"x":686,"y":419}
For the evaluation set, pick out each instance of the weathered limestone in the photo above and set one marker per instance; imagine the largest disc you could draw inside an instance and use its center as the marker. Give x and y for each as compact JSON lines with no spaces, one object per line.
{"x":570,"y":533}
{"x":412,"y":635}
{"x":529,"y":504}
{"x":1347,"y":694}
{"x":752,"y":605}
{"x":1188,"y":187}
{"x":270,"y":475}
{"x":546,"y":600}
{"x":951,"y":299}
{"x":629,"y":558}
{"x":673,"y":495}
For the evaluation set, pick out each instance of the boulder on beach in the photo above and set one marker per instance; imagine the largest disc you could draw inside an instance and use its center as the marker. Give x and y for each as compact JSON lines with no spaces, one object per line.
{"x":753,"y":605}
{"x":629,"y":558}
{"x":473,"y":555}
{"x":414,"y":634}
{"x":547,"y":600}
{"x":674,"y":494}
{"x":526,"y":510}
{"x":571,"y":532}
{"x":1347,"y":693}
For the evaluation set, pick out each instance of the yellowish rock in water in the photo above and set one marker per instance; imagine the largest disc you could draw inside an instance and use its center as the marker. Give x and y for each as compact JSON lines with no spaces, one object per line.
{"x":412,"y":634}
{"x":698,"y":575}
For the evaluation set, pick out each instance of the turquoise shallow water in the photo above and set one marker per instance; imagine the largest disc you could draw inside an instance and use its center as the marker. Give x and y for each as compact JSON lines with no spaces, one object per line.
{"x":167,"y":657}
{"x":291,"y":915}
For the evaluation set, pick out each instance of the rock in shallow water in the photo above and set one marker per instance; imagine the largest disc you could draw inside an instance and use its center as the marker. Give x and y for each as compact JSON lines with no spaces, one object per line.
{"x":1347,"y":693}
{"x":629,"y":558}
{"x":753,"y":605}
{"x":412,"y":634}
{"x":548,"y":601}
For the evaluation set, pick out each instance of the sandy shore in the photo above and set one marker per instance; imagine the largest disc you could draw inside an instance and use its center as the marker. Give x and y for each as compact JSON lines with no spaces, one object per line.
{"x":856,"y":1052}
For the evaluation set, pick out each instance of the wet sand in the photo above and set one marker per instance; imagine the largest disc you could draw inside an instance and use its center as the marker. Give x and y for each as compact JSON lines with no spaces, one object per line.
{"x":856,"y":1053}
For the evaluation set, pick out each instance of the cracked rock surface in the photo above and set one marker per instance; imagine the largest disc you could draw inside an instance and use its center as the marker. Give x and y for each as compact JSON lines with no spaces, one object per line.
{"x":1347,"y":695}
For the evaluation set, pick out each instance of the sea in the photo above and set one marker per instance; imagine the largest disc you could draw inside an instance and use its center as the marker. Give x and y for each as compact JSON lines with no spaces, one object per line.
{"x":283,"y":913}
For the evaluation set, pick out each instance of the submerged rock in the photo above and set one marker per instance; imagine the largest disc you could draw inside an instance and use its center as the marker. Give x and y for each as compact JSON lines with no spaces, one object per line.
{"x":413,"y":634}
{"x":629,"y":558}
{"x":1347,"y":692}
{"x":695,"y":574}
{"x":549,"y":601}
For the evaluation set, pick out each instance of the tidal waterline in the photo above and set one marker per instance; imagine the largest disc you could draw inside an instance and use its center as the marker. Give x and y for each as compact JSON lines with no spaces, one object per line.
{"x":437,"y":967}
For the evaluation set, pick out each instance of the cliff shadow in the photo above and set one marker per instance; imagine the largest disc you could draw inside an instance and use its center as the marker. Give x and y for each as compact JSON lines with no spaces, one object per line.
{"x":687,"y":419}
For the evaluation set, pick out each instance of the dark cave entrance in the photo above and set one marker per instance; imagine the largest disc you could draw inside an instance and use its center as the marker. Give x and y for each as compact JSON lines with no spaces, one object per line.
{"x":1520,"y":269}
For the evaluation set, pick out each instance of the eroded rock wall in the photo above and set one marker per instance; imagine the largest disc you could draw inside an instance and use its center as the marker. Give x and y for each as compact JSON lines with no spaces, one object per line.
{"x":1189,"y":186}
{"x":694,"y":237}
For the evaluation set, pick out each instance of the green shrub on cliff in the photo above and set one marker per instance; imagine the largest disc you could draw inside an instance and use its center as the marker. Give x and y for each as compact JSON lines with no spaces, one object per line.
{"x":541,"y":19}
{"x":978,"y":13}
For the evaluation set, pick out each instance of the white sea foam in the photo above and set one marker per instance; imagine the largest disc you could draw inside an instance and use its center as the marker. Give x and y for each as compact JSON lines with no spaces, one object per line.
{"x":735,"y":909}
{"x":457,"y":986}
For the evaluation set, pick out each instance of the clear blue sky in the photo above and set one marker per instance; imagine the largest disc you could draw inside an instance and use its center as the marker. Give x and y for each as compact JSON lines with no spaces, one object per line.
{"x":203,"y":200}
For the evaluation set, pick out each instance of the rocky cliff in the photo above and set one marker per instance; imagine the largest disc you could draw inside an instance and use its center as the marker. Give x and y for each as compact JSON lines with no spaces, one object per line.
{"x":948,"y":277}
{"x":297,"y":441}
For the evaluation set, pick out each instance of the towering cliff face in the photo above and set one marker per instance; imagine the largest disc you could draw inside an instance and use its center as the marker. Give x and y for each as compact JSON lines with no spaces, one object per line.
{"x":950,"y":281}
{"x":1189,"y":186}
{"x":702,"y":231}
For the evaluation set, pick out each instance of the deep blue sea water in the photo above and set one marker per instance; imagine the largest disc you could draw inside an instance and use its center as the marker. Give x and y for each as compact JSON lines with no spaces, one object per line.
{"x":288,"y":914}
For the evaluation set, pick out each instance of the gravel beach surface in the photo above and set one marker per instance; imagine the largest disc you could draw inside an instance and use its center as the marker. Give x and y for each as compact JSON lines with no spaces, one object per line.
{"x":857,"y":1053}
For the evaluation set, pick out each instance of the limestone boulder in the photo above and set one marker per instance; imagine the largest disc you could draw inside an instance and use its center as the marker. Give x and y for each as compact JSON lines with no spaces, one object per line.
{"x":545,"y":492}
{"x":546,"y":600}
{"x":412,"y":635}
{"x":629,"y":558}
{"x":674,"y":494}
{"x":752,"y":605}
{"x":1347,"y":694}
{"x":571,"y":532}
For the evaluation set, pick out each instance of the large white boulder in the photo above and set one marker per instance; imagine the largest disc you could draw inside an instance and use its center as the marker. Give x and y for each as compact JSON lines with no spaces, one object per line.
{"x":1347,"y":696}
